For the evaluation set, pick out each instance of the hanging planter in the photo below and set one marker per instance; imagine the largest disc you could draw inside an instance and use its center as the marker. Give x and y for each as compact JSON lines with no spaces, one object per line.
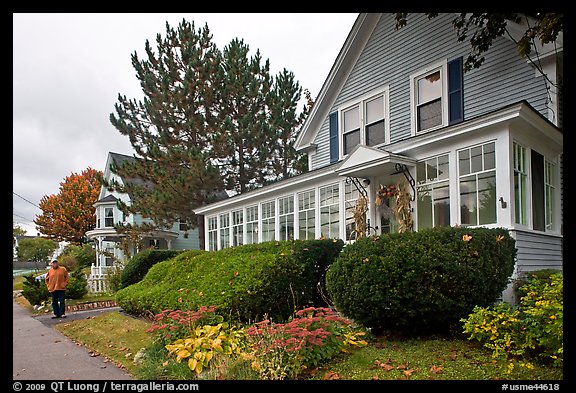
{"x":402,"y":211}
{"x":384,"y":193}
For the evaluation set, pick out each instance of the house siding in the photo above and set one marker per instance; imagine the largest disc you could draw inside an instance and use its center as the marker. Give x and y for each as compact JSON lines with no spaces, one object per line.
{"x":537,"y":251}
{"x":391,"y":56}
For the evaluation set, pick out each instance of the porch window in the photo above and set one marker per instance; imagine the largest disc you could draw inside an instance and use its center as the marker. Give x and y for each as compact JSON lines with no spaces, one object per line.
{"x":108,"y":217}
{"x":549,"y":194}
{"x":109,"y":256}
{"x":268,"y":221}
{"x":477,"y":179}
{"x":330,"y":211}
{"x":286,"y":217}
{"x":520,"y":181}
{"x":212,"y":233}
{"x":252,"y":224}
{"x":237,"y":228}
{"x":433,"y":192}
{"x":307,"y":215}
{"x":224,"y":230}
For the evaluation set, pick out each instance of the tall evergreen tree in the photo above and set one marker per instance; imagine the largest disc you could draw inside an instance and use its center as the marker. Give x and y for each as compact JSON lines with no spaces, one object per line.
{"x":170,"y":129}
{"x":285,"y":121}
{"x":210,"y":121}
{"x":242,"y":144}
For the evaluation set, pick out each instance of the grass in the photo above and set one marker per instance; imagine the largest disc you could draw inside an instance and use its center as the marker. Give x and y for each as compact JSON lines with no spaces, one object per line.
{"x":116,"y":336}
{"x":120,"y":337}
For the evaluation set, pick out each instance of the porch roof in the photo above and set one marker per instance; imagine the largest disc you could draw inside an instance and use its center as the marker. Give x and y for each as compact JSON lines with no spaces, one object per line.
{"x":365,"y":161}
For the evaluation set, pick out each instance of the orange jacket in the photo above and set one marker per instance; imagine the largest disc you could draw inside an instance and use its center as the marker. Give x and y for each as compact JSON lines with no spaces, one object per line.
{"x":57,"y":279}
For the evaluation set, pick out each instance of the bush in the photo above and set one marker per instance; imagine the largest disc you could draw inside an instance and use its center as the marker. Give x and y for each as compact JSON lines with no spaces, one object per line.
{"x":245,"y":283}
{"x":78,"y":285}
{"x":35,"y":291}
{"x":139,"y":264}
{"x":312,"y":337}
{"x":421,"y":281}
{"x":532,"y":330}
{"x":82,"y":256}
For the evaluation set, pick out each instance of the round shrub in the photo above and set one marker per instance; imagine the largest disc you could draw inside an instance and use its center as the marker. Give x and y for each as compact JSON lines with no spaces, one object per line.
{"x":421,"y":281}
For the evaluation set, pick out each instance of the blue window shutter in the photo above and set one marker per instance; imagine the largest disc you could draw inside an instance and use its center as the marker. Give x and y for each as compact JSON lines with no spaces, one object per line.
{"x":455,"y":91}
{"x":333,"y":117}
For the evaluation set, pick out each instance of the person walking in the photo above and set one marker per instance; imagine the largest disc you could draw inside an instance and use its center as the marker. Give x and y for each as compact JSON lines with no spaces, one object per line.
{"x":57,"y":280}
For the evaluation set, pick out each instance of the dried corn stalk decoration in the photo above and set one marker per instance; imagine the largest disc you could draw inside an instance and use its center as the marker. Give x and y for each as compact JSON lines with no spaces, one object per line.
{"x":404,"y":208}
{"x":359,"y":214}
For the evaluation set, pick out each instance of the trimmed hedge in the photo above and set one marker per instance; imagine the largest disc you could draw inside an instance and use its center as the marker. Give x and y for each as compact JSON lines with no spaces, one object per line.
{"x":139,"y":264}
{"x":245,"y":283}
{"x":421,"y":281}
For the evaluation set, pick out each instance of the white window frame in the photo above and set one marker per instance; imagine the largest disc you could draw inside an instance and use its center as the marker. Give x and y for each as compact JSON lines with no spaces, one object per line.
{"x":528,"y":186}
{"x":441,"y":66}
{"x":361,"y":103}
{"x":432,"y":184}
{"x":482,"y":171}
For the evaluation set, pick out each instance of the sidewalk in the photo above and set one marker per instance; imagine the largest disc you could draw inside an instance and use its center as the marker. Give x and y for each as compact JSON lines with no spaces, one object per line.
{"x":42,"y":353}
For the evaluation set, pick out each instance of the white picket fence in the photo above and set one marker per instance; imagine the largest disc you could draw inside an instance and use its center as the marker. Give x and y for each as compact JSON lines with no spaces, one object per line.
{"x":98,"y":279}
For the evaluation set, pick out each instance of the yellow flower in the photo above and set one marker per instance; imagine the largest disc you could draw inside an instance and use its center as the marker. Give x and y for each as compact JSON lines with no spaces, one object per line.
{"x":466,"y":238}
{"x":499,"y":238}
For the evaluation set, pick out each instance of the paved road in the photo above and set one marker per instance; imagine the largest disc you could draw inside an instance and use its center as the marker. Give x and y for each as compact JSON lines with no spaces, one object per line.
{"x":40,"y":352}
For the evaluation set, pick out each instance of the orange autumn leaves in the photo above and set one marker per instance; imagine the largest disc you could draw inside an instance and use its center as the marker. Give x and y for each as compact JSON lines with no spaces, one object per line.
{"x":67,"y":216}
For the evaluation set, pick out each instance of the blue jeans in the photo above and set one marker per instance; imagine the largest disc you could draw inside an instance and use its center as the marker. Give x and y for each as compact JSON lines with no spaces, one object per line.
{"x":58,"y":304}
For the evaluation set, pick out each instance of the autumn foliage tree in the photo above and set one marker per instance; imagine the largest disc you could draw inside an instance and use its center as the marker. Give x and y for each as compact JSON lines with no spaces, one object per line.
{"x":68,"y":215}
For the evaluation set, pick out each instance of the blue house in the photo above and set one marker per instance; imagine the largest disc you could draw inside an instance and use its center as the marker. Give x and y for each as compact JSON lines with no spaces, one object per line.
{"x":476,"y":148}
{"x":112,"y":247}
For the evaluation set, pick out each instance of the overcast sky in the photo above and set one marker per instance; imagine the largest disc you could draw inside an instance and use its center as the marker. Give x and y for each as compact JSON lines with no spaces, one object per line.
{"x":68,"y":70}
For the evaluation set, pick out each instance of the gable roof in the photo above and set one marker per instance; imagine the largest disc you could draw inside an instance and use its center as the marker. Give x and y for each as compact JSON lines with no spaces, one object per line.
{"x":347,"y":57}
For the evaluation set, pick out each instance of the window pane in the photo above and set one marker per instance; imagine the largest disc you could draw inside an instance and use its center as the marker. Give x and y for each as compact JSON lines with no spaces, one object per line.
{"x":489,"y":156}
{"x":487,"y":197}
{"x":351,"y":140}
{"x":424,"y":207}
{"x":421,"y":172}
{"x":430,"y":115}
{"x":468,"y":200}
{"x":431,"y":169}
{"x":464,"y":162}
{"x":441,"y":196}
{"x":375,"y":134}
{"x":351,"y":119}
{"x":429,"y":87}
{"x":476,"y":159}
{"x":520,"y":198}
{"x":375,"y":110}
{"x":443,"y":171}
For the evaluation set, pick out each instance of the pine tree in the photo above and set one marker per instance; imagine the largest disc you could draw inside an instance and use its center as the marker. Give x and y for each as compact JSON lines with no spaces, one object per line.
{"x":241,"y":146}
{"x":285,"y":122}
{"x":170,"y":130}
